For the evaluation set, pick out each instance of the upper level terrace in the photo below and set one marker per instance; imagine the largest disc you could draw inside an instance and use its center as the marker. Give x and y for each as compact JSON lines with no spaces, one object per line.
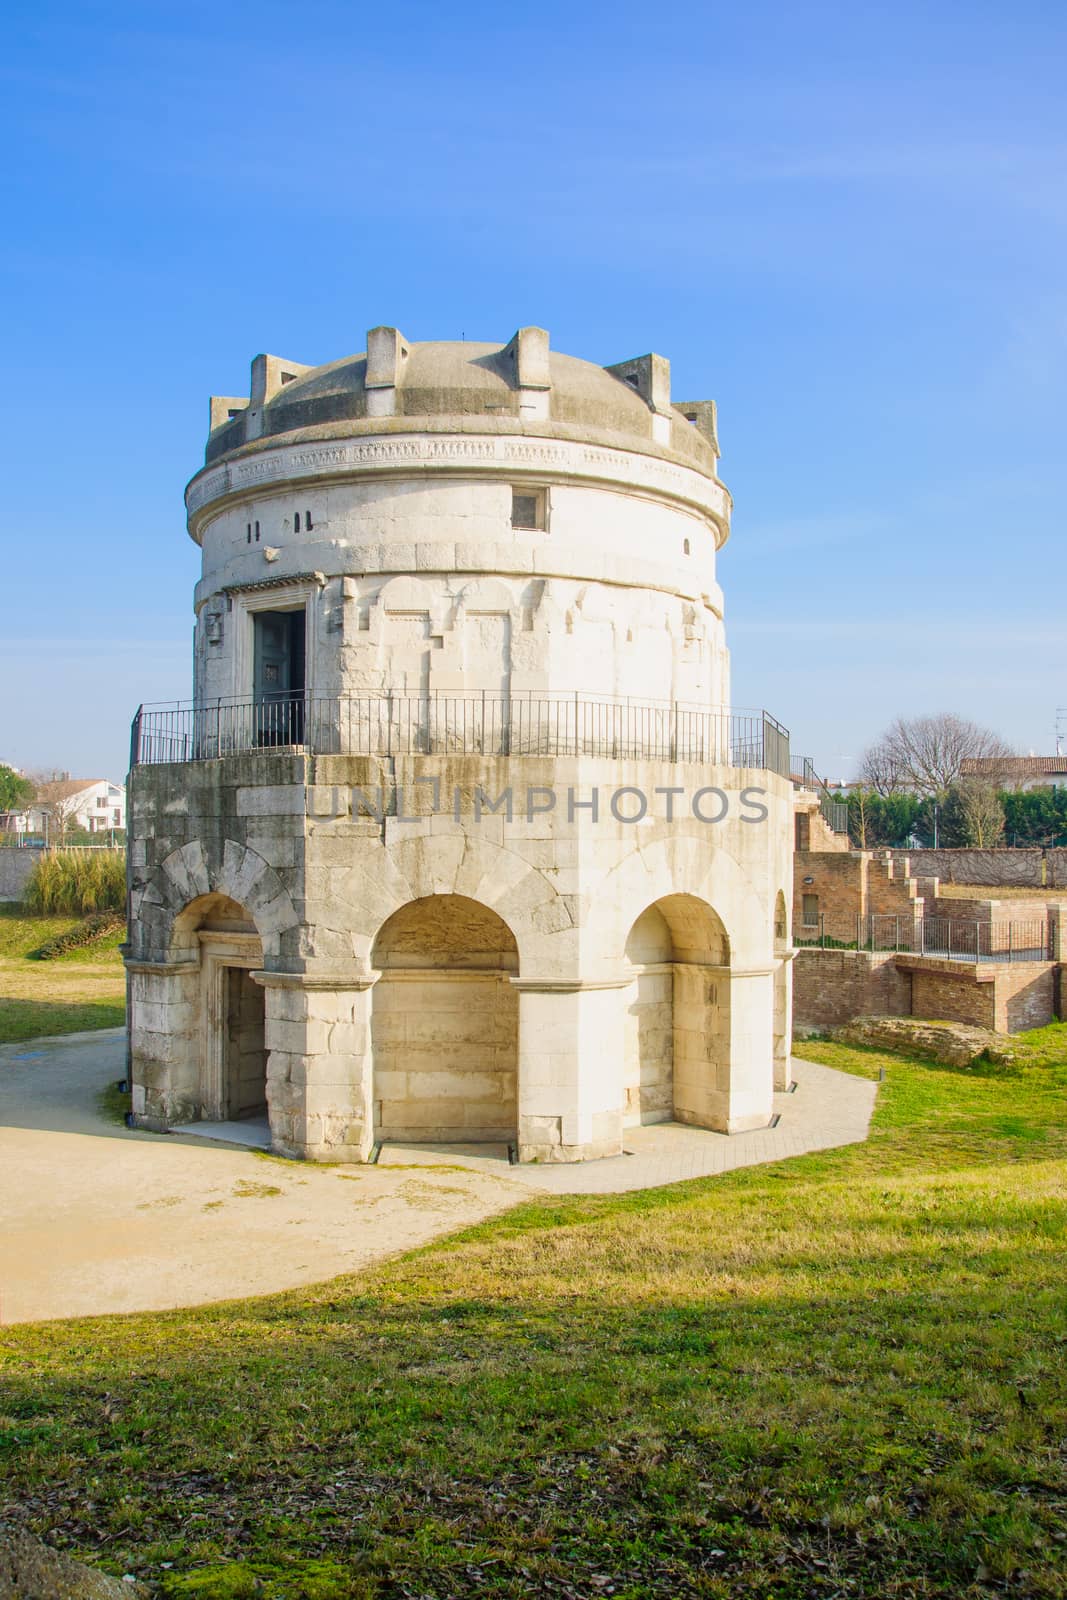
{"x":475,"y":723}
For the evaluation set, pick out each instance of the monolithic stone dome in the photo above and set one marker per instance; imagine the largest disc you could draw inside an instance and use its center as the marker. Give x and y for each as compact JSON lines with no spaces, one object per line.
{"x":522,"y":387}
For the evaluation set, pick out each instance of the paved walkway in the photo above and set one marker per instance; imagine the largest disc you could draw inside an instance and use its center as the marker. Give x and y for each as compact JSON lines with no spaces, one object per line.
{"x":97,"y":1218}
{"x":827,"y":1108}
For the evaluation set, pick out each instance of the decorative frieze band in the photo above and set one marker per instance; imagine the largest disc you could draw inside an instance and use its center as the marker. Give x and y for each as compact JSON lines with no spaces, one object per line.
{"x":358,"y":457}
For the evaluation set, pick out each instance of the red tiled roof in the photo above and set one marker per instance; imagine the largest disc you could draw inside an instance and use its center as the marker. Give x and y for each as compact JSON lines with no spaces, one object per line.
{"x":1023,"y":766}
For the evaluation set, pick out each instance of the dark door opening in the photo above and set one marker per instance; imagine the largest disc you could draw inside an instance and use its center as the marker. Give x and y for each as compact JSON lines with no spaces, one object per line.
{"x":279,"y":676}
{"x":246,"y":1055}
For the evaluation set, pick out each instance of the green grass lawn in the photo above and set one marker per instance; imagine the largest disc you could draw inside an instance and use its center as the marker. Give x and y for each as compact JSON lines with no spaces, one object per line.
{"x":82,"y":989}
{"x":844,"y":1375}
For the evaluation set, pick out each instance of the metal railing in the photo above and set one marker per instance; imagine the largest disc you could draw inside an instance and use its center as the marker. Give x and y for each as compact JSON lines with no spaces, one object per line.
{"x":947,"y":938}
{"x":471,"y":724}
{"x":834,"y":812}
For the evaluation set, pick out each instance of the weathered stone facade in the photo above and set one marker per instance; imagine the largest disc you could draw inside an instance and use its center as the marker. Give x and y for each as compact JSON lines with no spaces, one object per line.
{"x":500,"y":563}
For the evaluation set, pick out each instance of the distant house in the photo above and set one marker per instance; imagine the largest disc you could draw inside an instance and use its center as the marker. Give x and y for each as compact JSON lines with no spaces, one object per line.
{"x":93,"y":804}
{"x":1018,"y":772}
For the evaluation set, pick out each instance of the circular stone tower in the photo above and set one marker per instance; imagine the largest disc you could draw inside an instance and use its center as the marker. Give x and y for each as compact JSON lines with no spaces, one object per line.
{"x":459,"y":839}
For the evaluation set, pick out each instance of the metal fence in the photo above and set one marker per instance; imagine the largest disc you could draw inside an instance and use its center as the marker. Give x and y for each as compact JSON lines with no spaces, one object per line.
{"x":834,"y":812}
{"x":945,"y":937}
{"x":473,"y":724}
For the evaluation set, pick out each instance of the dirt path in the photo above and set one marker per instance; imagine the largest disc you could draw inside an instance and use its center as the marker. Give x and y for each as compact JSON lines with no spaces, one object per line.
{"x":95,"y":1218}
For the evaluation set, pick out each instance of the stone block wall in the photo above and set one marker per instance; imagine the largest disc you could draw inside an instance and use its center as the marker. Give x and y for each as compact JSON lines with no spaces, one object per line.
{"x":1018,"y":868}
{"x":547,"y":1029}
{"x":15,"y":869}
{"x":445,"y":1054}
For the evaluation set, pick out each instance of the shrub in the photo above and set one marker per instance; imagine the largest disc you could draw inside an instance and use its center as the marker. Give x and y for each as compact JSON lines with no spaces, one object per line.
{"x":95,"y":927}
{"x":76,"y":882}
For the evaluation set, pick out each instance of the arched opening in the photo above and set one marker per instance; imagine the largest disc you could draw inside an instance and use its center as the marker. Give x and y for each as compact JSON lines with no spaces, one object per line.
{"x":783,"y":1021}
{"x":444,"y":1024}
{"x":677,"y":1042}
{"x":232,"y":1085}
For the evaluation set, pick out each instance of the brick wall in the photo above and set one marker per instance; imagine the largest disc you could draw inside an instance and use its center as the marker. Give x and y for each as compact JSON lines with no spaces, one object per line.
{"x":852,"y":884}
{"x":953,"y":997}
{"x":1025,"y":996}
{"x":890,"y":891}
{"x":839,"y":884}
{"x":988,"y":911}
{"x":833,"y":986}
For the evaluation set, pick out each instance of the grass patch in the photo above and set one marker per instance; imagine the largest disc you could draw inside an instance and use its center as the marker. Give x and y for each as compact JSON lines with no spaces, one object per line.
{"x":81,"y":989}
{"x":113,"y":1103}
{"x":839,"y":1376}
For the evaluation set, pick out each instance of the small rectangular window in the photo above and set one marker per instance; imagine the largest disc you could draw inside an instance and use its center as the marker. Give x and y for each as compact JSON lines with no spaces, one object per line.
{"x":528,"y":509}
{"x":810,"y":910}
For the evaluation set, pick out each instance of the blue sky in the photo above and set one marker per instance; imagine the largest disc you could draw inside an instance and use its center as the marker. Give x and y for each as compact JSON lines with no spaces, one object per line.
{"x":845,"y":222}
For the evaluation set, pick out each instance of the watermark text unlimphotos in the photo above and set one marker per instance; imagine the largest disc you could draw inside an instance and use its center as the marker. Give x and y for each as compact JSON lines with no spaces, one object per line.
{"x":626,"y":805}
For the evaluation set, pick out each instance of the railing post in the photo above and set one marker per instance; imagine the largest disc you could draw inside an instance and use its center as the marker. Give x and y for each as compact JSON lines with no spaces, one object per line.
{"x":135,"y":737}
{"x":1011,"y":927}
{"x":576,"y":713}
{"x":822,"y":929}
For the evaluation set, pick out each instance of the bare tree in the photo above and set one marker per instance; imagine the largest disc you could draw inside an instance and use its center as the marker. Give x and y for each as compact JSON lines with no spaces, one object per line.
{"x":859,"y":815}
{"x":58,"y":805}
{"x":974,"y":813}
{"x":926,"y":754}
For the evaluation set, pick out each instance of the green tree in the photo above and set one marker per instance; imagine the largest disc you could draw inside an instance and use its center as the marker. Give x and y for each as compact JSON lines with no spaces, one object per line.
{"x":1035,"y":816}
{"x":875,"y":819}
{"x":16,"y":792}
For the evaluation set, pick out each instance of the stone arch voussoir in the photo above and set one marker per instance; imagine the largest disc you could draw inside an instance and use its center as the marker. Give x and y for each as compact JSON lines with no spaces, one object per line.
{"x":678,"y":864}
{"x":477,"y":869}
{"x":242,"y":875}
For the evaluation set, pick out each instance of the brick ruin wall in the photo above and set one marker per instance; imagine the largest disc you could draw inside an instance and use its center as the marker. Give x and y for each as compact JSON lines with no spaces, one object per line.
{"x":831,"y":987}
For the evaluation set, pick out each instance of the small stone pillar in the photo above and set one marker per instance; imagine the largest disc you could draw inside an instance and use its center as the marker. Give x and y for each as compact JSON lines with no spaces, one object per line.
{"x":570,"y":1068}
{"x":750,"y":1096}
{"x":319,"y":1065}
{"x":783,"y":1021}
{"x":164,"y":1034}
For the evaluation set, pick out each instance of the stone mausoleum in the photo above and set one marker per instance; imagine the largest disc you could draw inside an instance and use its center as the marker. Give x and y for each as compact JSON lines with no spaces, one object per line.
{"x":459,"y":839}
